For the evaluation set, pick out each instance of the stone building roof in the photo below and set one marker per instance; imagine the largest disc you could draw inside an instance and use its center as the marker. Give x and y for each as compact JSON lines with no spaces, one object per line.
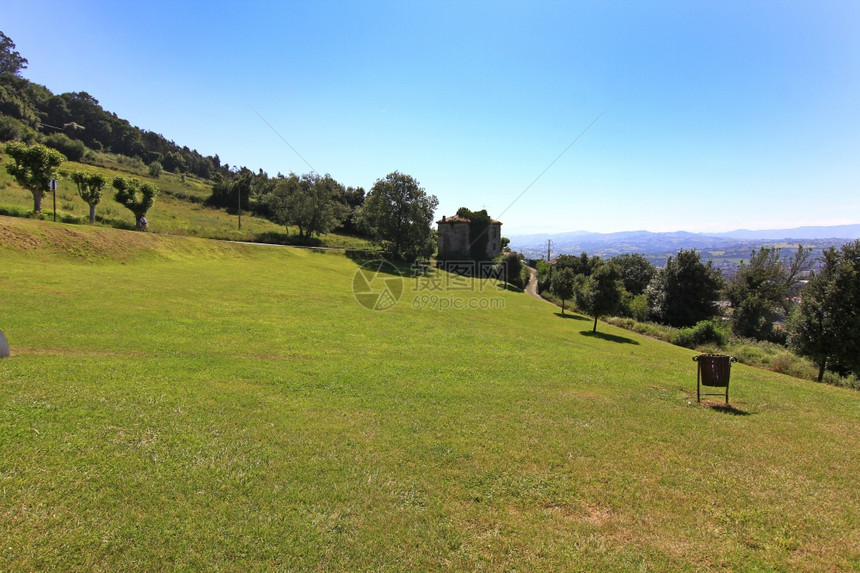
{"x":459,"y":219}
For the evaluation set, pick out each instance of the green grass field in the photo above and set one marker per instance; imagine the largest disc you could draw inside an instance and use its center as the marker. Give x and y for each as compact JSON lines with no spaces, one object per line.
{"x":178,"y":403}
{"x":178,"y":209}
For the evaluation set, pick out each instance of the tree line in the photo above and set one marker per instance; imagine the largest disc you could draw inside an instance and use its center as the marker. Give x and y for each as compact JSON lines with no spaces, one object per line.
{"x":74,"y":123}
{"x":770,"y":298}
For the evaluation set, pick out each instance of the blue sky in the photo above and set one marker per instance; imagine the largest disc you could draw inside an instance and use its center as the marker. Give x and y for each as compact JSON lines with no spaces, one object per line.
{"x":711,"y":116}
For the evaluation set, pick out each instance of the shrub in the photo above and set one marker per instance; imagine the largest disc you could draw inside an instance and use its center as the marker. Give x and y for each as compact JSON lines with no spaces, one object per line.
{"x":650,"y":329}
{"x":525,"y":275}
{"x":638,"y":308}
{"x":513,"y":268}
{"x":11,"y":211}
{"x":11,"y":129}
{"x":73,"y":149}
{"x":704,"y":332}
{"x":793,"y":365}
{"x":155,"y":169}
{"x":748,"y":351}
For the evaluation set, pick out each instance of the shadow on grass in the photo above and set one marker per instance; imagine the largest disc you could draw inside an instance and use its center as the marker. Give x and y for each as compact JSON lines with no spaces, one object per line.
{"x":287,"y":239}
{"x":508,"y":287}
{"x":608,"y":337}
{"x":377,"y":262}
{"x":569,"y":315}
{"x":726,"y":409}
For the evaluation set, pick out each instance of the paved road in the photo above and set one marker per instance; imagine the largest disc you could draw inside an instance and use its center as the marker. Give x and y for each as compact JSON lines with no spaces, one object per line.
{"x":531,"y":288}
{"x":297,"y":246}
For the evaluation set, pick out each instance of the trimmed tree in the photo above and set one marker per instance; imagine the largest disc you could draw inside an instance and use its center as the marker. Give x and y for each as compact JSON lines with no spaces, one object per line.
{"x":90,"y":187}
{"x":33,"y":169}
{"x":135,"y":197}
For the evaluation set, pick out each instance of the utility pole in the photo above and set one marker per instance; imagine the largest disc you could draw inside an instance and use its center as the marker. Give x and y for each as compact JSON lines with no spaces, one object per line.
{"x":549,"y":256}
{"x":239,"y":195}
{"x":53,"y":186}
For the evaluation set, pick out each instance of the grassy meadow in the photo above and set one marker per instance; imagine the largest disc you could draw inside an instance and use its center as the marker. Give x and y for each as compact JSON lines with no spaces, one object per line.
{"x":179,"y":403}
{"x":178,"y":210}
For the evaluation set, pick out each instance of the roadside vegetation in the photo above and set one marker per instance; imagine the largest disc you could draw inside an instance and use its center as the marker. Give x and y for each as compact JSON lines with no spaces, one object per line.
{"x":775,"y":312}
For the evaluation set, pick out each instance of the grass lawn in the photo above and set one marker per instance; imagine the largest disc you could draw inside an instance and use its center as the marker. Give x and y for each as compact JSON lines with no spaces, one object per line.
{"x":178,"y":210}
{"x":177,"y":403}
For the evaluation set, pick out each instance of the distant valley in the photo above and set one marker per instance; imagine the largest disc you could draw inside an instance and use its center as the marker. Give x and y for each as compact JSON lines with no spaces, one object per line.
{"x":725,"y":249}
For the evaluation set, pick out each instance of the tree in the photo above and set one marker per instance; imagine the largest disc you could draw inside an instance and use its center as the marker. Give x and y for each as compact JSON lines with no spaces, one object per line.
{"x":544,"y":275}
{"x":309,"y":202}
{"x":684,"y":292}
{"x":826,"y":324}
{"x":11,"y":62}
{"x":512,"y":267}
{"x":135,"y":197}
{"x":352,"y":198}
{"x":562,"y":284}
{"x":231,"y":190}
{"x":90,"y":186}
{"x":760,"y":291}
{"x":599,"y":294}
{"x":581,"y":265}
{"x":33,"y":169}
{"x":636,"y":272}
{"x":398,"y":215}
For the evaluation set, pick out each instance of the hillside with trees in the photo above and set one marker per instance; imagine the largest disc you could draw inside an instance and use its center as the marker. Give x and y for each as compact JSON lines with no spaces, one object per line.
{"x":74,"y":126}
{"x":789,"y":311}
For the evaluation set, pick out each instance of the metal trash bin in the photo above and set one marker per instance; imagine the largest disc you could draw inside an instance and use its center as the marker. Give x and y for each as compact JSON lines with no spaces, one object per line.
{"x":714,"y":370}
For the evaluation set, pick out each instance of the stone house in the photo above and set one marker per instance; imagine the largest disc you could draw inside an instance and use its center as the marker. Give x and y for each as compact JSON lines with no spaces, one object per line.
{"x":454,"y":238}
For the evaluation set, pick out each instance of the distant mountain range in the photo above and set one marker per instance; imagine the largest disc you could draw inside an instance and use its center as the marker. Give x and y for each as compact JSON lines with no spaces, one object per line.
{"x":728,"y":247}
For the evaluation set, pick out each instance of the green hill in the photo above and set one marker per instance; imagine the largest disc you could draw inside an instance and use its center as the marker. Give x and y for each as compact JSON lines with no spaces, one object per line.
{"x":178,"y":210}
{"x":179,"y":403}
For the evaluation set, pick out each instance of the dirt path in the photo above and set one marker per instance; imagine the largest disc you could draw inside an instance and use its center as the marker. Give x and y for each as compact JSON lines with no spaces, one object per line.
{"x":531,"y":288}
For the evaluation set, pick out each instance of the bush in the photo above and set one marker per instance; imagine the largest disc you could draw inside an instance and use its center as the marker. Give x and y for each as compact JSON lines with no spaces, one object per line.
{"x":73,"y":149}
{"x":155,"y":169}
{"x":635,"y":307}
{"x":513,"y":268}
{"x":11,"y":129}
{"x":850,"y":381}
{"x":11,"y":211}
{"x":525,"y":275}
{"x":704,"y":332}
{"x":650,"y":329}
{"x":793,"y":365}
